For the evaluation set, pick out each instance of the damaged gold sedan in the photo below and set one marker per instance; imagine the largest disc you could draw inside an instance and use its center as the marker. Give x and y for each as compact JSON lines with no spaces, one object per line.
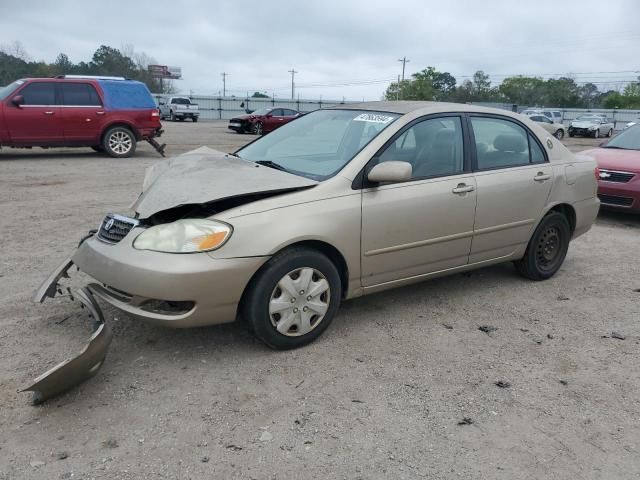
{"x":337,"y":204}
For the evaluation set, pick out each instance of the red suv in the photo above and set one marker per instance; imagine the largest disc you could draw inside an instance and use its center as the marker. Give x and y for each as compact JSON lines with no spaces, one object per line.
{"x":108,"y":114}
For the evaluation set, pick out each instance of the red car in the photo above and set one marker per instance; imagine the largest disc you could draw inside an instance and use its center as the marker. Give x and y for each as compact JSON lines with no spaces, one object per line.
{"x":108,"y":114}
{"x":262,"y":121}
{"x":619,"y":164}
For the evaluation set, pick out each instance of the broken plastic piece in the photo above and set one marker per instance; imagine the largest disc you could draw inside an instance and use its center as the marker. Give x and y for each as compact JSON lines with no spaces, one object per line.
{"x":85,"y":365}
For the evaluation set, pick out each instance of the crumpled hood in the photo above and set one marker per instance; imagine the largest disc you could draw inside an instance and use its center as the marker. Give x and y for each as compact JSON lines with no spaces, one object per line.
{"x":205,"y":175}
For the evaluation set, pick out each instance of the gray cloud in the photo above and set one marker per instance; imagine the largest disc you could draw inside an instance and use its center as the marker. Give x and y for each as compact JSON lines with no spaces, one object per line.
{"x":339,"y":42}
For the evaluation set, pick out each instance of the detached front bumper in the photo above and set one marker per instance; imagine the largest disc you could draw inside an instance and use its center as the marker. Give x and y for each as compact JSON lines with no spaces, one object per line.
{"x":176,"y":290}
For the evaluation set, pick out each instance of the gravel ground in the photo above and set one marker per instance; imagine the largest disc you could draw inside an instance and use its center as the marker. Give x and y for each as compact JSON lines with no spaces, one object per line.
{"x":403,"y":385}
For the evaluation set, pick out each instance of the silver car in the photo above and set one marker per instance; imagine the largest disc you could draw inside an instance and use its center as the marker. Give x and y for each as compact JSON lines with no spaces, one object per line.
{"x":339,"y":203}
{"x":593,"y":125}
{"x":556,"y":129}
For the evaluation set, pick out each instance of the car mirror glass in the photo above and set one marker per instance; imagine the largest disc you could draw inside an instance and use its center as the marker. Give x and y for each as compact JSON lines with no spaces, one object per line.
{"x":392,"y":171}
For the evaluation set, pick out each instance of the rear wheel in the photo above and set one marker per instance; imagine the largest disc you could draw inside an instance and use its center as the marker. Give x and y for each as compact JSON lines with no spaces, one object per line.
{"x":610,"y":132}
{"x":119,"y":142}
{"x":293,"y":299}
{"x":547,"y":248}
{"x":172,"y":116}
{"x":559,"y":134}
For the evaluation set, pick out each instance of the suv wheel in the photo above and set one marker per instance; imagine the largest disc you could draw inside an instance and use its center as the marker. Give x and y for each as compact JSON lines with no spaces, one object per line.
{"x":547,"y":248}
{"x":172,"y":117}
{"x":119,"y":142}
{"x":293,"y":298}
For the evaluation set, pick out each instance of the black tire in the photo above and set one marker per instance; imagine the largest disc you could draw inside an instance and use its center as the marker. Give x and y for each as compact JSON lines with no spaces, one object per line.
{"x":547,"y":248}
{"x":194,"y":119}
{"x":262,"y":288}
{"x":256,"y":129}
{"x":116,"y":141}
{"x":559,"y":134}
{"x":98,"y":148}
{"x":571,"y":134}
{"x":172,"y":117}
{"x":181,"y":119}
{"x":610,"y":133}
{"x":596,"y":133}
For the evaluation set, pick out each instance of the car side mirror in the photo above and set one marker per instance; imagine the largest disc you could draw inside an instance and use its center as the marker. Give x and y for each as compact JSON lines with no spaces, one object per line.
{"x":392,"y":171}
{"x":18,"y":100}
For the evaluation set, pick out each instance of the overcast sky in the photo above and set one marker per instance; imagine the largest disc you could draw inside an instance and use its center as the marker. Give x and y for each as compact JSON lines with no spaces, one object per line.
{"x":340,"y":47}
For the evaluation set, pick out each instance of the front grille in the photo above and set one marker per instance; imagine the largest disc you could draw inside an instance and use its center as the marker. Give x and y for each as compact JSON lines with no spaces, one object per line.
{"x":115,"y":227}
{"x":615,"y":200}
{"x":619,"y":177}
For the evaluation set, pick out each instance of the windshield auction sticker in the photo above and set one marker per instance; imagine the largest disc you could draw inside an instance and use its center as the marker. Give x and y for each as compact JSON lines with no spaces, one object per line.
{"x":373,"y":118}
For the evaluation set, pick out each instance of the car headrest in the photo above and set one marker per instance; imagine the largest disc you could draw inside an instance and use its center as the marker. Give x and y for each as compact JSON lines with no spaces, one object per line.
{"x":510,"y":143}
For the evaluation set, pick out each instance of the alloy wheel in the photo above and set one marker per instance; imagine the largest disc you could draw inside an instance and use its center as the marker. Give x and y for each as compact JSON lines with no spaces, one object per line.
{"x":120,"y":143}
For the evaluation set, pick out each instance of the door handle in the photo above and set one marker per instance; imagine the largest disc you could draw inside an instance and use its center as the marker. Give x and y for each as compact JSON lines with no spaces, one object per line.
{"x":49,"y":113}
{"x":463,"y":188}
{"x":541,"y":177}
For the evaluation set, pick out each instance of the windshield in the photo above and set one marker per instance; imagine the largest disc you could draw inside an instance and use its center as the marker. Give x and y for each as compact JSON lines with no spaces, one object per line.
{"x":588,"y":118}
{"x":9,"y":89}
{"x":319,"y":144}
{"x":628,"y":139}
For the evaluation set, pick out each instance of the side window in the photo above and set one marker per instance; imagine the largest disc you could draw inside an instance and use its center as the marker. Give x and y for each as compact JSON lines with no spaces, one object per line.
{"x":39,"y":93}
{"x":433,"y":147}
{"x":79,"y":94}
{"x":536,"y":152}
{"x":500,"y":143}
{"x":537,"y":118}
{"x":277,"y":112}
{"x":289,"y":113}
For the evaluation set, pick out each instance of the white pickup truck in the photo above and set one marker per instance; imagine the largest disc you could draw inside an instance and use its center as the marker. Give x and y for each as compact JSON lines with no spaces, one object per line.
{"x":178,"y":108}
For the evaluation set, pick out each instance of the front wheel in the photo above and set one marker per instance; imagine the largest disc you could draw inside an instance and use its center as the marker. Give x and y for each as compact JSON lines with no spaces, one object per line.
{"x":596,"y":134}
{"x":559,"y":134}
{"x":257,"y":128}
{"x":172,"y":116}
{"x":119,"y":142}
{"x":610,"y":133}
{"x":547,"y":248}
{"x":293,"y":299}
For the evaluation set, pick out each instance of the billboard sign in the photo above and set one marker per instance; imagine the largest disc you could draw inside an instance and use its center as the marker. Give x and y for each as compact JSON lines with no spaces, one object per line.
{"x":163,"y":71}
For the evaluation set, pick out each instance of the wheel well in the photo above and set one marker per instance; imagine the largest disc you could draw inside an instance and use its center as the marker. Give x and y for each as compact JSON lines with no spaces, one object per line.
{"x":119,"y":124}
{"x":333,"y":254}
{"x":568,"y":211}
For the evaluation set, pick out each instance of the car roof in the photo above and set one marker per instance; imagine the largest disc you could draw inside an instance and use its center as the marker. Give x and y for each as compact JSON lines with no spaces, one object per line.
{"x":424,"y":107}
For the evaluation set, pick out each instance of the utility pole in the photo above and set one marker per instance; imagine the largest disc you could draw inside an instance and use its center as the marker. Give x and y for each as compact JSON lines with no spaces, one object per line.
{"x":293,"y":84}
{"x":404,"y":61}
{"x":224,"y":83}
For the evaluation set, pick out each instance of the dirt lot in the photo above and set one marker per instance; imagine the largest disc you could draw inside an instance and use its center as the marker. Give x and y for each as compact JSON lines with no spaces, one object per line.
{"x":381,"y":395}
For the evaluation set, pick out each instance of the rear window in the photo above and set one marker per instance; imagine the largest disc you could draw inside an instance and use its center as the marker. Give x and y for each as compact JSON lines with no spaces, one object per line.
{"x":180,"y":101}
{"x":126,"y":95}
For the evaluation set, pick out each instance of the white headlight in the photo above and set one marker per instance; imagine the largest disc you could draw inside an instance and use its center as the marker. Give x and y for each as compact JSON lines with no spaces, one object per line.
{"x":184,"y":236}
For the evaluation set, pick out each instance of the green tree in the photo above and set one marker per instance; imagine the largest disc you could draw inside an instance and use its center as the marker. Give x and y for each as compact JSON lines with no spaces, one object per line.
{"x":259,"y":95}
{"x":522,"y":90}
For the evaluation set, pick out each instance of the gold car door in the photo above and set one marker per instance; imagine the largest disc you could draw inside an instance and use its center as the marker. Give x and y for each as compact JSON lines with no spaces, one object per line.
{"x":423,"y":225}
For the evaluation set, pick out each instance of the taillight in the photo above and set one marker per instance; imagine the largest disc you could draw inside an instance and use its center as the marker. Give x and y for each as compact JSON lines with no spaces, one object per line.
{"x":155,"y":114}
{"x":597,"y":173}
